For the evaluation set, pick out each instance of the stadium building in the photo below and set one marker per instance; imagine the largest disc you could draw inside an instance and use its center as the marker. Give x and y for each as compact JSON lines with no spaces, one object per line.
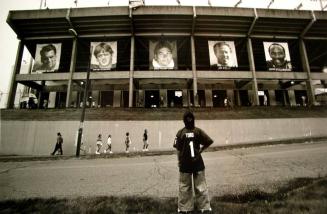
{"x":169,"y":57}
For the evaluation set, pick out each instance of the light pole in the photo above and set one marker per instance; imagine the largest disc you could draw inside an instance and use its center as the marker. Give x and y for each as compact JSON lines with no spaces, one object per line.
{"x":81,"y":125}
{"x":86,"y":86}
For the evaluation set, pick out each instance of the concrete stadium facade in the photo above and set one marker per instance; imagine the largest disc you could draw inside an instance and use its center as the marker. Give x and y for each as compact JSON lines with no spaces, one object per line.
{"x":134,"y":82}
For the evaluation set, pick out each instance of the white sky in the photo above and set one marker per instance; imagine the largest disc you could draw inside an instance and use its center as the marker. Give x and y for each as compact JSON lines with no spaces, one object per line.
{"x":9,"y":42}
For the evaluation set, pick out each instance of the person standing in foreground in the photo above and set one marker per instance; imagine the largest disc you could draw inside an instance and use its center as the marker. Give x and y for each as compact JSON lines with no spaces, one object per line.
{"x":59,"y":143}
{"x":190,"y":141}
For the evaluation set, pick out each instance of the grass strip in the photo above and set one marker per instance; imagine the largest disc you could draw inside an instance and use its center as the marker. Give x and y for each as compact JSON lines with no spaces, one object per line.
{"x":301,"y":195}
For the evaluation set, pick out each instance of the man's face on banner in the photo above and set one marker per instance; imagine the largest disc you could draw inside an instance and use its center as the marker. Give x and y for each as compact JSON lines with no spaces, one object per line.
{"x":104,"y":58}
{"x":223,"y":54}
{"x":49,"y":59}
{"x":277,"y":55}
{"x":164,"y":56}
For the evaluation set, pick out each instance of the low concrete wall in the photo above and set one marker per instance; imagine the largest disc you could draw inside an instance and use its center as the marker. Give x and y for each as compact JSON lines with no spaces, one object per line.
{"x":39,"y":137}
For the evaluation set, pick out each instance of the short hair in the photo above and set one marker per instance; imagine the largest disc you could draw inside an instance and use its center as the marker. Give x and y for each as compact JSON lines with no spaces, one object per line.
{"x":127,"y":133}
{"x":162,"y":44}
{"x":46,"y":49}
{"x":58,"y":134}
{"x":102,"y":46}
{"x":275,"y":44}
{"x":220,"y":44}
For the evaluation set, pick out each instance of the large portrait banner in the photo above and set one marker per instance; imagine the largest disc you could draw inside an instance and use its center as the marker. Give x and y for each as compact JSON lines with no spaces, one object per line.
{"x":277,"y":56}
{"x":103,"y":56}
{"x":47,"y":57}
{"x":163,"y":55}
{"x":222,"y":55}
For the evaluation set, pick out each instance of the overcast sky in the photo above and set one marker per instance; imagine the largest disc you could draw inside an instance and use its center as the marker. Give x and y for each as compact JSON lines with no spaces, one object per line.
{"x":9,"y":42}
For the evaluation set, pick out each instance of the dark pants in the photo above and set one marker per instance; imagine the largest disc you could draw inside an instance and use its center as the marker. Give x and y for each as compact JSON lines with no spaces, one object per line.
{"x":58,"y":147}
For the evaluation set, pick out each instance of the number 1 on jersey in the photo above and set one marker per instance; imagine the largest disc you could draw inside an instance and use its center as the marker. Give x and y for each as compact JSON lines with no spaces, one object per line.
{"x":192,"y":149}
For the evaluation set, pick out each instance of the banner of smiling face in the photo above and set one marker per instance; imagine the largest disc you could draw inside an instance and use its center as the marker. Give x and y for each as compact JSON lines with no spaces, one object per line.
{"x":277,"y":56}
{"x":103,"y":56}
{"x":162,"y":55}
{"x":47,"y":57}
{"x":222,"y":55}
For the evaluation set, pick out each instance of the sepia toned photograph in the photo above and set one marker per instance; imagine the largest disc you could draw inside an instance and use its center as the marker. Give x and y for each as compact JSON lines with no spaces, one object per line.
{"x":152,"y":107}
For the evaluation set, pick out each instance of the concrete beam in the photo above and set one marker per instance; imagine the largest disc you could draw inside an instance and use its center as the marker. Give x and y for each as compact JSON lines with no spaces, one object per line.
{"x":224,"y":75}
{"x":318,"y":76}
{"x":163,"y":74}
{"x":39,"y":77}
{"x":282,"y":75}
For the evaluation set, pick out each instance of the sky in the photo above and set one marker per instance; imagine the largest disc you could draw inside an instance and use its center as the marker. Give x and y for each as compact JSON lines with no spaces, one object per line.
{"x":9,"y":42}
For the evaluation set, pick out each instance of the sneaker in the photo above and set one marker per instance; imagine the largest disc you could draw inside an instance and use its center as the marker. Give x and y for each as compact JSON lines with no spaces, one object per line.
{"x":97,"y":153}
{"x":110,"y":152}
{"x":127,"y":151}
{"x":104,"y":151}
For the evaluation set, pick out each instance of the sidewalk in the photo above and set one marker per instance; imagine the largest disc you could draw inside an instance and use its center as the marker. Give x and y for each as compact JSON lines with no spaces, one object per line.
{"x":22,"y":158}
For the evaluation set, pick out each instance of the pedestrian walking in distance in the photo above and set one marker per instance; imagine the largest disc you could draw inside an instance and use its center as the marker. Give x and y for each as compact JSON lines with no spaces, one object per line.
{"x":99,"y":144}
{"x":190,"y":142}
{"x":145,"y":141}
{"x":108,"y":145}
{"x":59,"y":143}
{"x":127,"y":142}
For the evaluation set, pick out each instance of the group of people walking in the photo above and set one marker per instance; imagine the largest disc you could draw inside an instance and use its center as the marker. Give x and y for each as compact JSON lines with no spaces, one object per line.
{"x":99,"y":145}
{"x":127,"y":142}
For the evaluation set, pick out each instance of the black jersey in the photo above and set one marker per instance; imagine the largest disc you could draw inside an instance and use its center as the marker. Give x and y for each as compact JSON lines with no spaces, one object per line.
{"x":188,"y":143}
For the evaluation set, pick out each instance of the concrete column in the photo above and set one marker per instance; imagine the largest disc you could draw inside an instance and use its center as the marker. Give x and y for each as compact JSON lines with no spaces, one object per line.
{"x":13,"y":84}
{"x":71,"y":71}
{"x":255,"y":97}
{"x":163,"y":95}
{"x":230,"y":94}
{"x":185,"y":97}
{"x":272,"y":97}
{"x":251,"y":96}
{"x":74,"y":99}
{"x":208,"y":94}
{"x":306,"y":68}
{"x":95,"y":98}
{"x":40,"y":96}
{"x":52,"y":99}
{"x":291,"y":96}
{"x":141,"y":98}
{"x":117,"y":98}
{"x":131,"y":73}
{"x":195,"y":79}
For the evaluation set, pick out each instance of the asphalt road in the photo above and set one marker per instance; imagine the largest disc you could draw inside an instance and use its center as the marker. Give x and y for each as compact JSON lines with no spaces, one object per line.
{"x":228,"y":172}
